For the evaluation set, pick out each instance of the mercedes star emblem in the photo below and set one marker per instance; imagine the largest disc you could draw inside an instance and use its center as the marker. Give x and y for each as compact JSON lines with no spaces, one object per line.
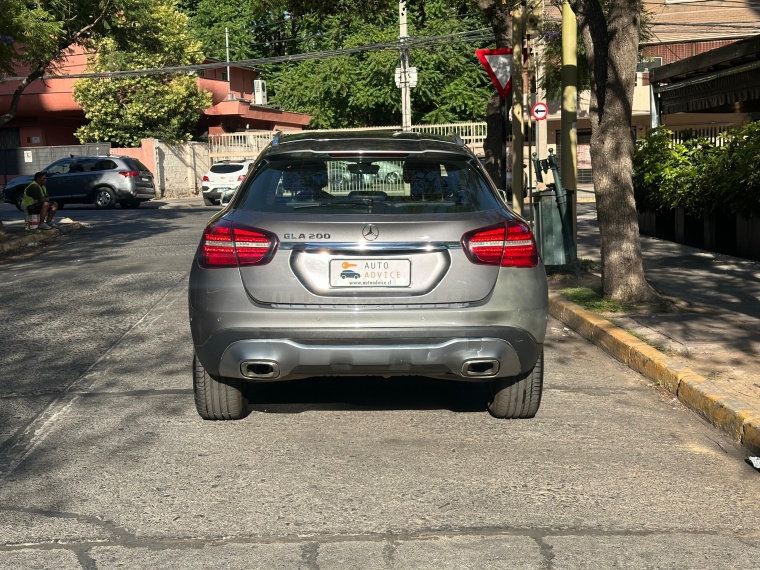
{"x":370,"y":232}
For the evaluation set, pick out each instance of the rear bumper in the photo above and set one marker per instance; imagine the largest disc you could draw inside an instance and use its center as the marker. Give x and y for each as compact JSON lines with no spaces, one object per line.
{"x":216,"y":193}
{"x":134,"y":192}
{"x":445,"y":353}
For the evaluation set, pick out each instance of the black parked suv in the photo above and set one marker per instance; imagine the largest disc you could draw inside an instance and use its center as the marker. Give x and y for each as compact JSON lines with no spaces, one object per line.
{"x":101,"y":180}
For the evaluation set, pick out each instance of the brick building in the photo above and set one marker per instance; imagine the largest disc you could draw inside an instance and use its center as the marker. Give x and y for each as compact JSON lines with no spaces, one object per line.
{"x":684,"y":28}
{"x":49,"y":116}
{"x":679,"y":29}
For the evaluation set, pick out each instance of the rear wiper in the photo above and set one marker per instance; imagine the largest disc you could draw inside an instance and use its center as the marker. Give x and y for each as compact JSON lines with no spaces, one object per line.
{"x":348,"y":202}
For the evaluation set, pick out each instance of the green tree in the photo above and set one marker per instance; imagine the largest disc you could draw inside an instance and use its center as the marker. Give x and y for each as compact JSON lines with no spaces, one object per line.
{"x":35,"y":37}
{"x":127,"y":109}
{"x":551,"y":60}
{"x":353,"y":90}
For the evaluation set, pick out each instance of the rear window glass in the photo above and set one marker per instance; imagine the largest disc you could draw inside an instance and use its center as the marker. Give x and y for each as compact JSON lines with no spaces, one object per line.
{"x":136,"y":164}
{"x":226,"y":168}
{"x":368,"y":184}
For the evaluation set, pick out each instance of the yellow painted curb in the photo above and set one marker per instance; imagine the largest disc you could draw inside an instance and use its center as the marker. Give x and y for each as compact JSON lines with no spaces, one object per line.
{"x":751,"y":436}
{"x":41,"y":236}
{"x":717,"y":406}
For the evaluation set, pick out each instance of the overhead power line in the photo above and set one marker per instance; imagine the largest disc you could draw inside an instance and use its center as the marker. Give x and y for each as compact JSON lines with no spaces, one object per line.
{"x":483,"y":34}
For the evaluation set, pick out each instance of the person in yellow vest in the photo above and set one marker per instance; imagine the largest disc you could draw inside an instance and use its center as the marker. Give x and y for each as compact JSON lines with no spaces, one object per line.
{"x":36,"y":201}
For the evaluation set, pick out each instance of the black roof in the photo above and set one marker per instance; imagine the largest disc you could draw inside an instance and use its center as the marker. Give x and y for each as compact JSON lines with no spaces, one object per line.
{"x":369,"y":140}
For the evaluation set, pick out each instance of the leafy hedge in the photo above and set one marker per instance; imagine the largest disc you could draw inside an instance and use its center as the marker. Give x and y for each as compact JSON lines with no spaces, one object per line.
{"x":696,"y":174}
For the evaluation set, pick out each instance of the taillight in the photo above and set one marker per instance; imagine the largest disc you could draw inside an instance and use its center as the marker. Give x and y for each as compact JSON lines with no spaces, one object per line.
{"x":509,"y":244}
{"x":253,"y":247}
{"x":225,"y":244}
{"x":241,"y":177}
{"x":130,"y":173}
{"x":205,"y":179}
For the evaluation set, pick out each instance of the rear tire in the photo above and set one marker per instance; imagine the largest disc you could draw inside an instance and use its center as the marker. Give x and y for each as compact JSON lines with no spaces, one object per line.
{"x":208,"y":202}
{"x":519,"y":396}
{"x":217,"y":399}
{"x":17,"y":200}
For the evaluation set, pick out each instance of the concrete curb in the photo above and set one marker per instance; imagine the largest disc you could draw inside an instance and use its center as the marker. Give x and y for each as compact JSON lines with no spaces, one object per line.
{"x":187,"y":206}
{"x":717,"y":406}
{"x":40,"y":236}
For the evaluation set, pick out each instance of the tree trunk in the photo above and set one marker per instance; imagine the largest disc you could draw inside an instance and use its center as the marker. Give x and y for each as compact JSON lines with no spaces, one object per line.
{"x":13,"y":109}
{"x":612,"y":49}
{"x":501,"y":23}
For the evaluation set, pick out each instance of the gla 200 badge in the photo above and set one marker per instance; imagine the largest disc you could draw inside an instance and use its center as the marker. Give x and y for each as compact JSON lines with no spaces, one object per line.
{"x":306,"y":236}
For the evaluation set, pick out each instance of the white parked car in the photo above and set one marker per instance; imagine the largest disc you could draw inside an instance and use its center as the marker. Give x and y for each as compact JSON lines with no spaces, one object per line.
{"x":224,"y":178}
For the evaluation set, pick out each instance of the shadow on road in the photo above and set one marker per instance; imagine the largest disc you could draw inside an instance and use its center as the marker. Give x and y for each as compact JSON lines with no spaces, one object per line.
{"x":367,"y":393}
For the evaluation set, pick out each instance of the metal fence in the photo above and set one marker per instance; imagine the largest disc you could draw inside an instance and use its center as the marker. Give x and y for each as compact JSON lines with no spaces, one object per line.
{"x":238,"y":146}
{"x":248,"y":145}
{"x":711,"y":133}
{"x":388,"y":179}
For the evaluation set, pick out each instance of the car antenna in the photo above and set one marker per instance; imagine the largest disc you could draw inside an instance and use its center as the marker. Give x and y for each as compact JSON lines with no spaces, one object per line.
{"x":457,"y":139}
{"x":276,"y":138}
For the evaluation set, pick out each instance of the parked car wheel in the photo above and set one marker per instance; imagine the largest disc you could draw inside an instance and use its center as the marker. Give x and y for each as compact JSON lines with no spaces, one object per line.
{"x":130,"y":205}
{"x":104,"y":198}
{"x":217,"y":399}
{"x":393,"y":178}
{"x":208,"y":202}
{"x":518,"y":396}
{"x":17,"y":200}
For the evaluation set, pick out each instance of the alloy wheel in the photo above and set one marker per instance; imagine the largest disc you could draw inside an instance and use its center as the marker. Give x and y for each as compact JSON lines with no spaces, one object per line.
{"x":103,"y":198}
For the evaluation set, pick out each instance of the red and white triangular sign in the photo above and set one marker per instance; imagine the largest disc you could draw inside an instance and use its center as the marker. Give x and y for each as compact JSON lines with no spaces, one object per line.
{"x":498,"y":65}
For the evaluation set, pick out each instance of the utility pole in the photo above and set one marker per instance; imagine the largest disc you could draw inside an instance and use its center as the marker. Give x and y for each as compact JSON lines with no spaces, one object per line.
{"x":518,"y":192}
{"x":569,"y":136}
{"x":229,"y":78}
{"x":406,"y":101}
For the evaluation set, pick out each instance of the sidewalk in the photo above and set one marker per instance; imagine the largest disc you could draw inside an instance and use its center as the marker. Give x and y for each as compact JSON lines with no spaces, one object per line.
{"x":716,"y":332}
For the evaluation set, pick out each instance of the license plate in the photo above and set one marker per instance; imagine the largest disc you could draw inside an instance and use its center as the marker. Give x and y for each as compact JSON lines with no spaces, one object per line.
{"x":371,"y":272}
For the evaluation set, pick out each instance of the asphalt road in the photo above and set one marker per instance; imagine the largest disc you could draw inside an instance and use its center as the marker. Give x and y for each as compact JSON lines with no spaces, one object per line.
{"x":104,"y":462}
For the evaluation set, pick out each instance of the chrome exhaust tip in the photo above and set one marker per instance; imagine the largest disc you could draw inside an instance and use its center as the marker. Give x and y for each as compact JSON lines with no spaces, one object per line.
{"x":480,"y":367}
{"x":258,"y":369}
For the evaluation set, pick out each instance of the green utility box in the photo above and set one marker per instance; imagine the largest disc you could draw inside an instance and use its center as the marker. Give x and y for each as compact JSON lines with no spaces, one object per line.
{"x":548,"y":227}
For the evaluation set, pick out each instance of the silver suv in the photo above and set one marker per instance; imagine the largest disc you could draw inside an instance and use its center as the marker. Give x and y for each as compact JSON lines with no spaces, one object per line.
{"x":426,"y":273}
{"x":100,"y":180}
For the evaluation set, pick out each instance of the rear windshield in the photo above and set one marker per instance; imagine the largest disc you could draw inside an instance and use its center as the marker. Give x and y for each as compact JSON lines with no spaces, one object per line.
{"x":226,"y":168}
{"x":371,"y":185}
{"x":137,"y":164}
